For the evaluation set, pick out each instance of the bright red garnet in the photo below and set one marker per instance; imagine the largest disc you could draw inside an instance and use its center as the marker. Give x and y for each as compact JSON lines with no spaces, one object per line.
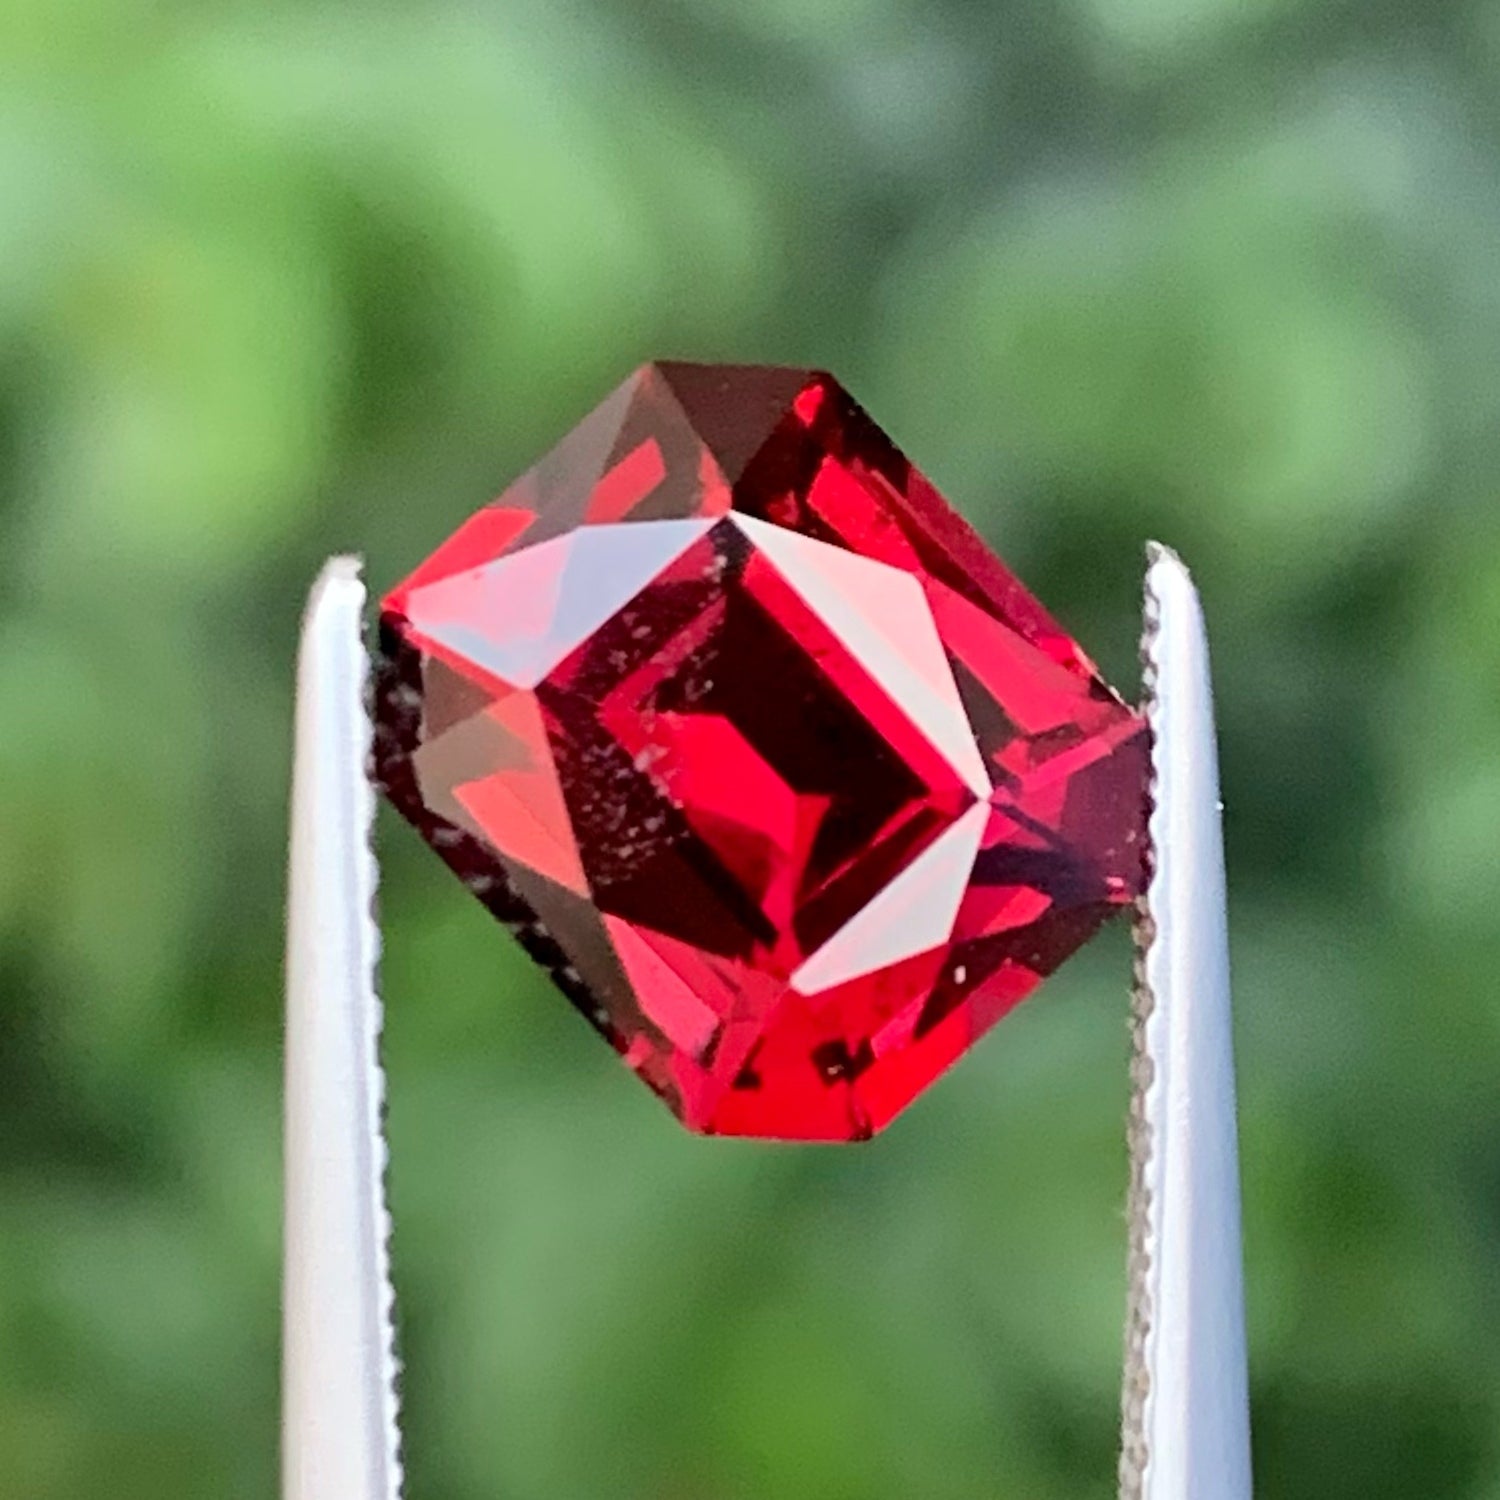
{"x":791,"y":785}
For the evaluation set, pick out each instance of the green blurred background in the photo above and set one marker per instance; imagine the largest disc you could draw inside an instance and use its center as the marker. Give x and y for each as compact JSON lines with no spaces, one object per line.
{"x":278,"y":279}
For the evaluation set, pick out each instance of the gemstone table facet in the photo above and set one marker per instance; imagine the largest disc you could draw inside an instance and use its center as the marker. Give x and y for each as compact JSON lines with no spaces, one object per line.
{"x":761,"y":751}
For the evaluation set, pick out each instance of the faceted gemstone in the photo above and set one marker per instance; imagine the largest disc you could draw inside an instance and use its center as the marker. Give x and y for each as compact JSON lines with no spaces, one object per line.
{"x":791,"y":785}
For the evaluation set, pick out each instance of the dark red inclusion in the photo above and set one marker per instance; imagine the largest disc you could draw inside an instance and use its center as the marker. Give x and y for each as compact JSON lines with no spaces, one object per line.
{"x":789,"y":782}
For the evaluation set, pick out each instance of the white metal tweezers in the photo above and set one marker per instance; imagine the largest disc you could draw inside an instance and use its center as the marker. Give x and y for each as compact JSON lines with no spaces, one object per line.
{"x":1185,"y":1403}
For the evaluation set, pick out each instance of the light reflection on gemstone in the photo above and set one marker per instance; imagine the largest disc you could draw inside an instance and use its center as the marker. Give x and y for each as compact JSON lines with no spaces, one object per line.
{"x":520,"y":615}
{"x":881,"y":618}
{"x":915,"y":913}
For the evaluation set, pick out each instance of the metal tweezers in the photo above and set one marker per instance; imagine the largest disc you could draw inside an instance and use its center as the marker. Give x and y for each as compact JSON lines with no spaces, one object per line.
{"x":1185,"y":1404}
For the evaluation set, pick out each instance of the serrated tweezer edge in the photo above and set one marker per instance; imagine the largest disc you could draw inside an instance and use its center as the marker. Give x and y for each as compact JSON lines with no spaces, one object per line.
{"x":340,"y":1433}
{"x":1185,"y":1406}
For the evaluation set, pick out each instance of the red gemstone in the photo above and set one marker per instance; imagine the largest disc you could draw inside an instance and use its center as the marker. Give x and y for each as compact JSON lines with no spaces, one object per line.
{"x":789,"y":782}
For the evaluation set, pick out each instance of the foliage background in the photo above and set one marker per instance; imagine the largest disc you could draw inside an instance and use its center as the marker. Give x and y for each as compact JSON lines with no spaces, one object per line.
{"x":282,"y":278}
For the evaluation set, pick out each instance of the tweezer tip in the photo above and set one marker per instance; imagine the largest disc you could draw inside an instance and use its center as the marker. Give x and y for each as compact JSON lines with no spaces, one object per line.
{"x":345,"y":570}
{"x":1166,"y":572}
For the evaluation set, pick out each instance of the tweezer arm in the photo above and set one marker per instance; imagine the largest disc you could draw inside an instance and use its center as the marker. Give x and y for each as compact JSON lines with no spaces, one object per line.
{"x":339,"y":1426}
{"x":1187,"y":1430}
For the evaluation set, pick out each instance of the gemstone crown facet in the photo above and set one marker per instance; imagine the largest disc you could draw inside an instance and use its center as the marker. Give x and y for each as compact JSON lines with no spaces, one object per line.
{"x":788,"y":781}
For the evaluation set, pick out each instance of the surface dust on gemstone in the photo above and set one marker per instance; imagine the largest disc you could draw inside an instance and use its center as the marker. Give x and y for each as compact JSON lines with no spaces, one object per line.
{"x":789,"y":782}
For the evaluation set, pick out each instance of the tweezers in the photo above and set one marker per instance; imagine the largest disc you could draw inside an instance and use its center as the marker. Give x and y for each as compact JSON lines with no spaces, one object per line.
{"x":1185,"y":1410}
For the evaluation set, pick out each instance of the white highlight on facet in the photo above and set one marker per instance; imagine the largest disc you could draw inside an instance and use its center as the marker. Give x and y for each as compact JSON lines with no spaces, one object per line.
{"x":913,"y":914}
{"x":520,"y":615}
{"x":882,"y":617}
